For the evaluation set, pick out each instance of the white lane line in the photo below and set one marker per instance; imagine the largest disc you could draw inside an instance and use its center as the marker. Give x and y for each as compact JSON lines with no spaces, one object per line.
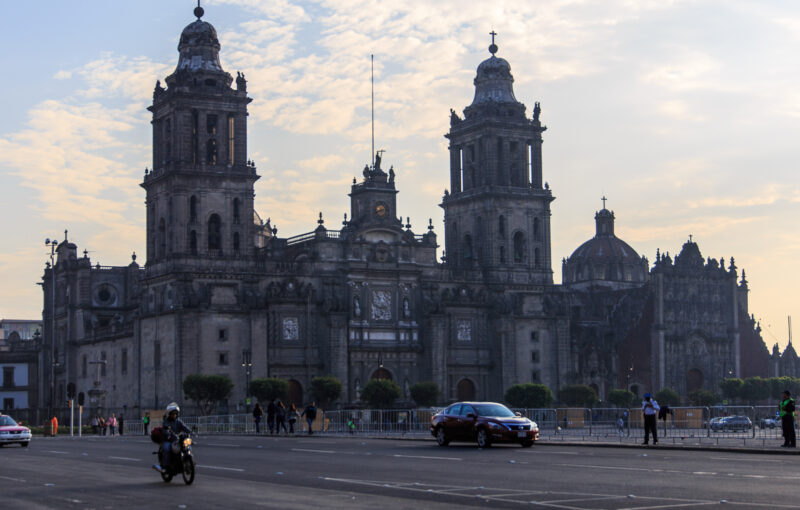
{"x":125,"y":458}
{"x":222,"y":468}
{"x":736,"y":459}
{"x":20,"y":480}
{"x":311,"y":451}
{"x":55,"y":451}
{"x":425,"y":457}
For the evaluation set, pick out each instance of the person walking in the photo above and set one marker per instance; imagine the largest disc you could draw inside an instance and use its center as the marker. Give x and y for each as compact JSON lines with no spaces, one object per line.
{"x":649,"y":410}
{"x":96,"y":425}
{"x":103,"y":426}
{"x":112,"y":424}
{"x":146,"y":423}
{"x":121,"y":424}
{"x":786,"y":412}
{"x":280,"y":417}
{"x":310,"y":412}
{"x":271,"y":408}
{"x":291,"y":417}
{"x":258,"y":413}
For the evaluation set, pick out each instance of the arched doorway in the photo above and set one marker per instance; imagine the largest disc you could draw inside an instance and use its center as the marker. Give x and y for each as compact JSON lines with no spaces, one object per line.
{"x":382,"y":373}
{"x":295,"y":392}
{"x":465,"y":390}
{"x":694,"y":380}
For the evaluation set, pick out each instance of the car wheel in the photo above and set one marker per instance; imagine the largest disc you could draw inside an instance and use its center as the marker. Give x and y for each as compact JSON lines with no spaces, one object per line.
{"x":25,"y":444}
{"x":441,"y":437}
{"x":484,"y":441}
{"x":527,"y":443}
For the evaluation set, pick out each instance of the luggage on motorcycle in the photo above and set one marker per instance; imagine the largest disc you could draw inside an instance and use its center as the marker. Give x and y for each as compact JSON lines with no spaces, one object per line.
{"x":157,"y":435}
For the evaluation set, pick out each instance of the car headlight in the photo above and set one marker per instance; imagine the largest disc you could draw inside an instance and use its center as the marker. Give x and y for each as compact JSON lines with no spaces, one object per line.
{"x":495,"y":425}
{"x":534,"y":425}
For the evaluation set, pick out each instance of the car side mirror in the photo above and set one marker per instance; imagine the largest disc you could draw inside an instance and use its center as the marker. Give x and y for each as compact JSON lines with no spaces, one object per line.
{"x":518,"y":413}
{"x":471,"y":416}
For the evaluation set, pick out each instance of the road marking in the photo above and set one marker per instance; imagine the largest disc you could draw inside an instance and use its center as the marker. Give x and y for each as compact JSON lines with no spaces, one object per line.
{"x":125,"y":458}
{"x":759,"y":460}
{"x":425,"y":457}
{"x":55,"y":451}
{"x":703,"y":473}
{"x":222,"y":468}
{"x":311,"y":451}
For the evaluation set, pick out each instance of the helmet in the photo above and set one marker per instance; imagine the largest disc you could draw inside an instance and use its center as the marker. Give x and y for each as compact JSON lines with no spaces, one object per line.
{"x":173,"y":407}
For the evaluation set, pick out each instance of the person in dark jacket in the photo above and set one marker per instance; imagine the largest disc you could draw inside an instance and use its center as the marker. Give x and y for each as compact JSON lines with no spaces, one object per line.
{"x":258,"y":413}
{"x":172,"y":426}
{"x":786,"y":412}
{"x":280,"y":417}
{"x":310,"y":412}
{"x":271,"y":408}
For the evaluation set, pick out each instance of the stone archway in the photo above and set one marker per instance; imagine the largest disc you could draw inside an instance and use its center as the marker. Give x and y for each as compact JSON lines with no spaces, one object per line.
{"x":694,"y":380}
{"x":295,"y":392}
{"x":465,"y":390}
{"x":382,"y":373}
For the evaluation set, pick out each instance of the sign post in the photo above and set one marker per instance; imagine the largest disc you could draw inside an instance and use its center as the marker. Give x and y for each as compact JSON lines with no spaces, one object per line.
{"x":71,"y":417}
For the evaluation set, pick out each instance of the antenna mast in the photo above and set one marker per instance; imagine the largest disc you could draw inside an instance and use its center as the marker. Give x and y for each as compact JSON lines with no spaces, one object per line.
{"x":372,"y":93}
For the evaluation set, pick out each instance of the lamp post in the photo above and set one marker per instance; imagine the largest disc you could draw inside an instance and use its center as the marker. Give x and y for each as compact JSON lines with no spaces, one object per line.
{"x":52,"y":244}
{"x":247,"y":365}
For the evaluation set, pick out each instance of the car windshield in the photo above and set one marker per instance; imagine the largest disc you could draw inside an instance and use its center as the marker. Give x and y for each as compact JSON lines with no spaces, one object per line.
{"x":6,"y":421}
{"x":495,"y":410}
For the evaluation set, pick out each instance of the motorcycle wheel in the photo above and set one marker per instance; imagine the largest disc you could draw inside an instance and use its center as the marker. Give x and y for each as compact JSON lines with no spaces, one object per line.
{"x":167,"y":477}
{"x":188,"y":470}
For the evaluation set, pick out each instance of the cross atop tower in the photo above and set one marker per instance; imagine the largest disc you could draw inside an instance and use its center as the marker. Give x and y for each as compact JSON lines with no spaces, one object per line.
{"x":493,"y":46}
{"x":604,"y":201}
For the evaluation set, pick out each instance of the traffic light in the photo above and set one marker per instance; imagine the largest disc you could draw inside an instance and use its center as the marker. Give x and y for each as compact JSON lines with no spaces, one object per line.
{"x":71,"y":391}
{"x":80,"y":398}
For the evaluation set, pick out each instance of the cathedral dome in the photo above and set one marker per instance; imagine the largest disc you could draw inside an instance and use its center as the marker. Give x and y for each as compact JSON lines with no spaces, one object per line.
{"x":494,"y":82}
{"x":199,"y":47}
{"x":605,"y":259}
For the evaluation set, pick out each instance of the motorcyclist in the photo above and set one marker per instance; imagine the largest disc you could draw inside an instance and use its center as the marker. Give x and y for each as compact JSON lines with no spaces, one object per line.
{"x":172,"y":426}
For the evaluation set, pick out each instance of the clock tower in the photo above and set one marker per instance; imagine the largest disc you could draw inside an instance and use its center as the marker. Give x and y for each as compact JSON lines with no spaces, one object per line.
{"x":373,"y":202}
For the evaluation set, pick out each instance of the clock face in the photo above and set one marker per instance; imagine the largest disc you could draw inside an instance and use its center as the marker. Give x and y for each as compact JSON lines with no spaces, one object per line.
{"x":381,"y":210}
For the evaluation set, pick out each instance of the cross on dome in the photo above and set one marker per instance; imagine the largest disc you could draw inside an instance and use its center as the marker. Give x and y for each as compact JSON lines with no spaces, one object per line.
{"x":493,"y":46}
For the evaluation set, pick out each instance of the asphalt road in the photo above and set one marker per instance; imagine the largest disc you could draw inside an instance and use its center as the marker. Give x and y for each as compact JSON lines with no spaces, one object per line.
{"x":324,"y":472}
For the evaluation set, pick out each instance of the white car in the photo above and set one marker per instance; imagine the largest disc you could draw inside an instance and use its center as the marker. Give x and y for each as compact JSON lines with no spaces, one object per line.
{"x":12,"y":432}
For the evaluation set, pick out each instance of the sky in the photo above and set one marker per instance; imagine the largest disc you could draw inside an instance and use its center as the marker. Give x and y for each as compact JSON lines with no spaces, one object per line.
{"x":684,"y":114}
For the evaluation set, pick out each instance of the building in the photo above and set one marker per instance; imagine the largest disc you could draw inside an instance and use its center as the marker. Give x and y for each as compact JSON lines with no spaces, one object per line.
{"x":20,"y":359}
{"x":221,"y":293}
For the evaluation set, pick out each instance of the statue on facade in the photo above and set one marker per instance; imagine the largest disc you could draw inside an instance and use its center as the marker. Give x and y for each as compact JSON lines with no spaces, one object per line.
{"x":537,"y":110}
{"x":356,"y":308}
{"x":391,"y":174}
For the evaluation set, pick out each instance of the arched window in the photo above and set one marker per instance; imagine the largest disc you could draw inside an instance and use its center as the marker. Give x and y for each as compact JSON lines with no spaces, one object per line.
{"x":295,"y":392}
{"x":501,"y":226}
{"x":519,"y":247}
{"x":236,"y":242}
{"x":467,"y":247}
{"x":536,"y":260}
{"x":162,"y":237}
{"x":536,"y":230}
{"x":465,"y":390}
{"x":236,"y":210}
{"x":193,"y":242}
{"x":502,"y":254}
{"x":193,"y":209}
{"x":195,"y":137}
{"x":211,"y":152}
{"x":231,"y":139}
{"x":382,"y":373}
{"x":214,"y":233}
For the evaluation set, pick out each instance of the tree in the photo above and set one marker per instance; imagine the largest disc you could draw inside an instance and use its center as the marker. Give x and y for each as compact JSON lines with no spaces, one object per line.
{"x":621,"y":398}
{"x":207,"y":390}
{"x":701,"y":397}
{"x":325,"y":390}
{"x":577,"y":395}
{"x":267,"y":390}
{"x":381,"y":393}
{"x":755,"y":389}
{"x":731,"y":388}
{"x":529,"y":395}
{"x":668,"y":397}
{"x":425,"y":394}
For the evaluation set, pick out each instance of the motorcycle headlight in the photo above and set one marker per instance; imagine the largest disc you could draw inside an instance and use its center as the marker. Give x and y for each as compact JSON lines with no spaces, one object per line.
{"x":187,"y":441}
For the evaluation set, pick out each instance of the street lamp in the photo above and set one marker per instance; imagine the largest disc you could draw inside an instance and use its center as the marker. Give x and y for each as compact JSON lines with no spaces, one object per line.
{"x":247,"y":365}
{"x":52,"y":244}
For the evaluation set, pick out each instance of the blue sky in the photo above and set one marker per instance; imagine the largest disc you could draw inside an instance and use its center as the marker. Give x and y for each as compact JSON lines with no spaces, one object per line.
{"x":685,"y":114}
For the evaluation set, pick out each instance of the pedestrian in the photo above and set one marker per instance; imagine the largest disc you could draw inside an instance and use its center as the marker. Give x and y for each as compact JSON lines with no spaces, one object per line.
{"x":146,"y":423}
{"x":649,"y":410}
{"x":112,"y":424}
{"x":310,"y":412}
{"x":95,"y":425}
{"x":54,"y":425}
{"x":621,"y":426}
{"x":280,"y":417}
{"x":103,"y":426}
{"x":258,"y":413}
{"x":291,"y":417}
{"x":271,"y":408}
{"x":121,"y":424}
{"x":786,"y":411}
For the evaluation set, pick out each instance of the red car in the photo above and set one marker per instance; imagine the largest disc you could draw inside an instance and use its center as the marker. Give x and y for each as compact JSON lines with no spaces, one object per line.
{"x":484,"y":422}
{"x":11,"y":432}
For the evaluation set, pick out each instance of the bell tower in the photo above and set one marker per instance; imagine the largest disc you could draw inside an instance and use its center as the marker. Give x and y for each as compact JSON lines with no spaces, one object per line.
{"x":200,"y":189}
{"x":497,"y":212}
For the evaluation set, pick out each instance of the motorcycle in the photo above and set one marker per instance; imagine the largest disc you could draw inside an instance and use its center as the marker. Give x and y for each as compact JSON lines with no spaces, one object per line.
{"x":181,"y":459}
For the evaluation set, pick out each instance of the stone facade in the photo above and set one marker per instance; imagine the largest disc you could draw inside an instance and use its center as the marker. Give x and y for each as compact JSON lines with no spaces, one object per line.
{"x":220,"y":287}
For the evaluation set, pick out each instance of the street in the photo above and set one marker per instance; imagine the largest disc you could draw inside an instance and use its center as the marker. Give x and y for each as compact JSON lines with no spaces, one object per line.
{"x":326,"y":472}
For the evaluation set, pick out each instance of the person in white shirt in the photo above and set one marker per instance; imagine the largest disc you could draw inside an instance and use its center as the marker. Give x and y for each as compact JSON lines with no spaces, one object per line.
{"x":649,"y":410}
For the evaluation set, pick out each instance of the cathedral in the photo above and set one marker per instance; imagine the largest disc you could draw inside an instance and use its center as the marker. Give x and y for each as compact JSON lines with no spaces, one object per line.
{"x":221,"y":293}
